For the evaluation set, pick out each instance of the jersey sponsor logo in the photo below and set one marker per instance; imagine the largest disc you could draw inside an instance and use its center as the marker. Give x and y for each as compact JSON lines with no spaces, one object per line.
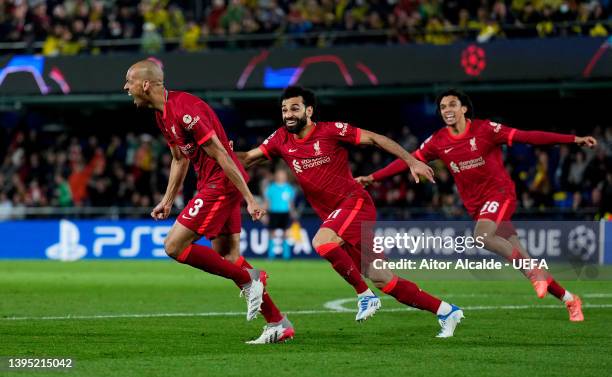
{"x":291,"y":150}
{"x":310,"y":163}
{"x":496,"y":126}
{"x":467,"y":165}
{"x":317,"y":148}
{"x":448,"y":150}
{"x":473,"y":146}
{"x":343,"y":128}
{"x":296,"y":166}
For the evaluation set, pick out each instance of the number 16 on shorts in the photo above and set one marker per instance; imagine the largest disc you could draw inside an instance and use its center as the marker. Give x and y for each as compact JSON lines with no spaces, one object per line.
{"x":489,"y":207}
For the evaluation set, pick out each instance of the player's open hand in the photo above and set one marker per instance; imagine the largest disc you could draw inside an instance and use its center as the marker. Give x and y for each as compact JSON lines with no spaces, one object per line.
{"x":421,"y":168}
{"x":586,"y":141}
{"x":161,"y":211}
{"x":365,"y":181}
{"x":255,"y":210}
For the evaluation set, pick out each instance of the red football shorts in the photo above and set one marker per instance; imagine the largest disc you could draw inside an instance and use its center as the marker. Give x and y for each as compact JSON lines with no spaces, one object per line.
{"x":499,"y":209}
{"x":347,"y":221}
{"x":212,"y":213}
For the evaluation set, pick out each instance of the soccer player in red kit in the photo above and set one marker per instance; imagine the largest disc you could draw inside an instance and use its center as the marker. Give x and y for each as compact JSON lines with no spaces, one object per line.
{"x":470,"y":149}
{"x":317,"y":154}
{"x":194,"y":133}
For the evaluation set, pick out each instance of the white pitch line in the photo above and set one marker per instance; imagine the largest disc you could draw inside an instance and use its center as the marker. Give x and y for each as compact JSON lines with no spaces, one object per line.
{"x":596,"y":295}
{"x":338,"y":305}
{"x":294,"y":312}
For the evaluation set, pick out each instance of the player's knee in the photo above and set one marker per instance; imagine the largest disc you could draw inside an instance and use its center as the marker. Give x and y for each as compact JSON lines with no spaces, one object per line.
{"x":485,"y":236}
{"x":317,"y":242}
{"x":173,"y":247}
{"x":320,"y":240}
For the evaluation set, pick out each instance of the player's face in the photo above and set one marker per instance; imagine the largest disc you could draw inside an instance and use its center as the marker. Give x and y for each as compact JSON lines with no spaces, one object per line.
{"x":452,"y":110}
{"x":134,"y":87}
{"x":295,"y":114}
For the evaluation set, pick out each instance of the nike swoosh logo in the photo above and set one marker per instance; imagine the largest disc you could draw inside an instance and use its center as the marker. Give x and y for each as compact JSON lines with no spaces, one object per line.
{"x":448,"y":150}
{"x":187,"y":217}
{"x":292,"y":150}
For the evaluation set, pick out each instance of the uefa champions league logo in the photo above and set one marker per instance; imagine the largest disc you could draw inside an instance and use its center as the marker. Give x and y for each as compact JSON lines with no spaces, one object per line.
{"x":68,"y":247}
{"x":582,"y":242}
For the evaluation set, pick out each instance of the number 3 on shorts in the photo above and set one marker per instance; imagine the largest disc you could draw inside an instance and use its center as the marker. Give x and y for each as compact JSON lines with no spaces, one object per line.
{"x":197,"y":204}
{"x":489,"y":207}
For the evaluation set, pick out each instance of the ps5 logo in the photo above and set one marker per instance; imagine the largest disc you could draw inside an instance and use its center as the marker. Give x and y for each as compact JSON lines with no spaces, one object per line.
{"x":105,"y":239}
{"x":68,"y":247}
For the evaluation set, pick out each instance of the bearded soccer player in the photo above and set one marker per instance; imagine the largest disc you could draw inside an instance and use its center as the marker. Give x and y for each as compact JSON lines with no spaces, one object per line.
{"x":194,"y":133}
{"x":471,"y":150}
{"x":317,"y":154}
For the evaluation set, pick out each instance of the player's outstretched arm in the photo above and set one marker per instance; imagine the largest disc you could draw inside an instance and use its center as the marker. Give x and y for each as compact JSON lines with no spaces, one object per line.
{"x":178,"y":171}
{"x":544,"y":137}
{"x":396,"y":167}
{"x":253,"y":157}
{"x":215,"y":150}
{"x":416,"y":167}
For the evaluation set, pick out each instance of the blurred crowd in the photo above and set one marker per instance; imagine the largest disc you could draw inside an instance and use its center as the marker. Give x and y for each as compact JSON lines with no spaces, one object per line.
{"x":70,"y":27}
{"x":44,"y":169}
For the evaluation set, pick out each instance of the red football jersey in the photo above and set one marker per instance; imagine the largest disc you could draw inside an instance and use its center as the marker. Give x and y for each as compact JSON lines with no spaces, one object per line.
{"x":189,"y":122}
{"x":475,"y":160}
{"x":319,"y":162}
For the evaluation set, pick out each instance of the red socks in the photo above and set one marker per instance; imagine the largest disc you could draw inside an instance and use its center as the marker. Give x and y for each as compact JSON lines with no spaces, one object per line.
{"x":208,"y":260}
{"x":343,"y":264}
{"x":410,"y":294}
{"x":268,"y":309}
{"x":553,"y":287}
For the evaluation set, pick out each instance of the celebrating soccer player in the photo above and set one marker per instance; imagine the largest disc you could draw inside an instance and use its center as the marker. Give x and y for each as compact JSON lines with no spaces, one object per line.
{"x":194,"y":133}
{"x":317,"y":154}
{"x":470,"y":148}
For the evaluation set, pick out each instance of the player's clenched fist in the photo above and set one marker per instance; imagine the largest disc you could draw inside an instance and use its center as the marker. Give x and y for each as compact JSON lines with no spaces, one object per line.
{"x":586,"y":141}
{"x":365,"y":180}
{"x":255,"y":210}
{"x":161,"y":211}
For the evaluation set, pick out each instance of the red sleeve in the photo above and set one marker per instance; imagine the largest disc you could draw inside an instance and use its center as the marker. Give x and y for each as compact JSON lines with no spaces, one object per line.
{"x":270,"y":146}
{"x":427,"y":151}
{"x":196,"y":118}
{"x":396,"y":167}
{"x":265,"y":151}
{"x":539,"y":137}
{"x":344,"y":132}
{"x":507,"y":135}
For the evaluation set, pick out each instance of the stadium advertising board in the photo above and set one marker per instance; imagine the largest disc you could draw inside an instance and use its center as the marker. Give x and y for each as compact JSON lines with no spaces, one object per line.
{"x":68,"y":240}
{"x":562,"y":59}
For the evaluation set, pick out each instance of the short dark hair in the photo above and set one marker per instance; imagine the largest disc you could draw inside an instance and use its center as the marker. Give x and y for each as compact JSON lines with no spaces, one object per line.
{"x":297,"y":91}
{"x":463,"y":98}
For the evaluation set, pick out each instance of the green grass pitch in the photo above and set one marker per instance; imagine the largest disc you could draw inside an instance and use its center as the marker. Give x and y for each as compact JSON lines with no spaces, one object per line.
{"x":192,"y":324}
